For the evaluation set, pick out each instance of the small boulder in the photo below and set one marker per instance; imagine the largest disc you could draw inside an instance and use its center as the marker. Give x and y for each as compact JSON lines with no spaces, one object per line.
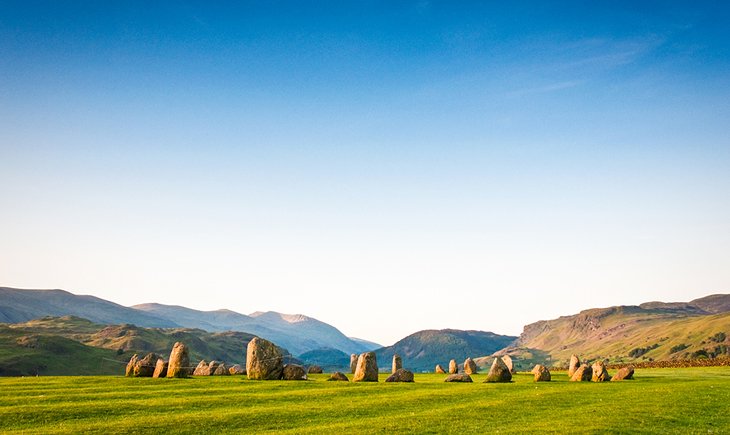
{"x":397,"y":363}
{"x":160,"y":369}
{"x":499,"y":372}
{"x":600,"y":374}
{"x":221,"y":370}
{"x":624,"y":373}
{"x":294,"y":372}
{"x":201,"y":369}
{"x":453,"y":367}
{"x":470,"y":367}
{"x":353,"y":363}
{"x":542,"y":374}
{"x":130,"y":365}
{"x":263,"y":360}
{"x":367,"y":368}
{"x":400,"y":375}
{"x":338,"y":376}
{"x":458,"y":377}
{"x":145,"y":367}
{"x":573,"y":365}
{"x":179,"y":364}
{"x":439,"y":369}
{"x":508,"y":362}
{"x":582,"y":374}
{"x":237,"y":369}
{"x":315,"y":370}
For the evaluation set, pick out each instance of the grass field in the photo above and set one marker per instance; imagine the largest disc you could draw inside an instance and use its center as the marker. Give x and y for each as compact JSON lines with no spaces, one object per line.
{"x":692,"y":400}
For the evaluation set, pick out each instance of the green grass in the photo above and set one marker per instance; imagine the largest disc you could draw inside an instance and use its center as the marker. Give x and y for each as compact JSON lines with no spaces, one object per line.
{"x":694,"y":400}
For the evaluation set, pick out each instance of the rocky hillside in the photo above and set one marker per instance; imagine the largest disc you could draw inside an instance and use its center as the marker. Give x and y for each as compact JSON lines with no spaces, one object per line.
{"x":424,"y":349}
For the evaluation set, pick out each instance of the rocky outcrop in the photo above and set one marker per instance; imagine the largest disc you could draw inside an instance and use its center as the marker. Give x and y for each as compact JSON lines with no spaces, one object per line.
{"x":470,"y":367}
{"x":624,"y":373}
{"x":294,"y":372}
{"x":179,"y":364}
{"x":600,"y":373}
{"x":499,"y":372}
{"x":264,"y":360}
{"x":542,"y":374}
{"x":400,"y":375}
{"x":338,"y":376}
{"x":458,"y":377}
{"x":582,"y":373}
{"x":367,"y":368}
{"x":397,"y":363}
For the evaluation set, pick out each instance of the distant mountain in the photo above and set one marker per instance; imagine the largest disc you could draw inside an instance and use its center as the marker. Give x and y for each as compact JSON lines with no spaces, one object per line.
{"x":368,"y":345}
{"x":650,"y":331}
{"x":329,"y":359}
{"x":424,"y":349}
{"x":18,"y":305}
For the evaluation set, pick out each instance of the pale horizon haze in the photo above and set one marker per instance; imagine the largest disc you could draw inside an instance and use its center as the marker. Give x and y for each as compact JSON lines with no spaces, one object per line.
{"x":383,"y":167}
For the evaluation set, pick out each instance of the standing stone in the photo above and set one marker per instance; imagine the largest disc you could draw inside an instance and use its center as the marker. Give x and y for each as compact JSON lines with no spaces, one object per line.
{"x":294,"y":372}
{"x":470,"y":367}
{"x":624,"y":373}
{"x":353,"y":363}
{"x":458,"y":377}
{"x":499,"y":372}
{"x":160,"y":369}
{"x":600,"y":374}
{"x":221,"y":370}
{"x":453,"y":367}
{"x":367,"y":368}
{"x":237,"y":369}
{"x":212,"y":367}
{"x":130,"y":365}
{"x":145,"y":367}
{"x":315,"y":370}
{"x":397,"y":363}
{"x":401,"y":375}
{"x":508,"y":362}
{"x":439,"y":369}
{"x":179,"y":364}
{"x":338,"y":376}
{"x":582,"y":374}
{"x":542,"y":374}
{"x":201,"y":369}
{"x":573,"y":365}
{"x":263,"y":360}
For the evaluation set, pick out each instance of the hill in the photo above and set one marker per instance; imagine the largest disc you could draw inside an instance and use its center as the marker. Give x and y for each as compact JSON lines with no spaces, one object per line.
{"x":650,"y":331}
{"x":424,"y":349}
{"x":329,"y":359}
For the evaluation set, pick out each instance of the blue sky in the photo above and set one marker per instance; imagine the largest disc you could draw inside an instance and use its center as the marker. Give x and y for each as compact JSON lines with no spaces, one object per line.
{"x":434,"y":157}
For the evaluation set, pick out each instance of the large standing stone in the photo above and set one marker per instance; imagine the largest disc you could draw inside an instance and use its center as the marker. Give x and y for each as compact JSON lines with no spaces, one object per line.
{"x":439,"y":369}
{"x":583,"y":373}
{"x":315,"y":370}
{"x":338,"y":376}
{"x":263,"y":360}
{"x":237,"y":369}
{"x":400,"y":375}
{"x":508,"y":362}
{"x":353,"y":363}
{"x":600,"y":374}
{"x":179,"y":364}
{"x":573,"y":365}
{"x":367,"y":368}
{"x":453,"y":367}
{"x":470,"y":367}
{"x":499,"y":372}
{"x":397,"y":363}
{"x":212,"y":367}
{"x":458,"y":377}
{"x":145,"y":367}
{"x":624,"y":373}
{"x":542,"y":374}
{"x":294,"y":372}
{"x":130,"y":365}
{"x":221,"y":370}
{"x":201,"y":369}
{"x":160,"y":369}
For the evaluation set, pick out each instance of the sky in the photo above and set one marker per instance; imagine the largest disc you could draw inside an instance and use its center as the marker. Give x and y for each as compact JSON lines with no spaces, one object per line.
{"x":385,"y":167}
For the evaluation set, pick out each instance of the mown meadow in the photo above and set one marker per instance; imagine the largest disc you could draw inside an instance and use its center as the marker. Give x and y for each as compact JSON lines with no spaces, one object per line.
{"x":683,"y":400}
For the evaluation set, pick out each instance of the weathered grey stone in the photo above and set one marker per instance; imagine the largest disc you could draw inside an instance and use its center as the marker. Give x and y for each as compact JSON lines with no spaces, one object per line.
{"x":179,"y":364}
{"x":499,"y":372}
{"x":263,"y":360}
{"x":338,"y":376}
{"x":237,"y":369}
{"x":353,"y":363}
{"x":400,"y":375}
{"x":508,"y":362}
{"x":453,"y":367}
{"x":145,"y":367}
{"x":221,"y":370}
{"x":600,"y":373}
{"x":160,"y":369}
{"x":315,"y":369}
{"x":573,"y":365}
{"x":470,"y":367}
{"x":201,"y":369}
{"x":542,"y":374}
{"x":397,"y":363}
{"x":294,"y":372}
{"x":367,"y":368}
{"x":130,"y":365}
{"x":458,"y":377}
{"x":439,"y":369}
{"x":624,"y":373}
{"x":582,"y":373}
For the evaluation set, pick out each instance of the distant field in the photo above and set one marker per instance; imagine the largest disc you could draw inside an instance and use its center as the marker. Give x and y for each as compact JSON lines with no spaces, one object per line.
{"x":687,"y":400}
